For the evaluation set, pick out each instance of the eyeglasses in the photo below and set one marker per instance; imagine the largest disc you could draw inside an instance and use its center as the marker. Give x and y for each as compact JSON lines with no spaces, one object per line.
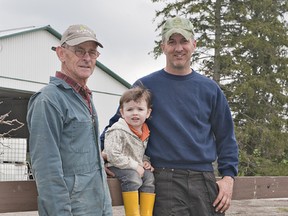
{"x":79,"y":52}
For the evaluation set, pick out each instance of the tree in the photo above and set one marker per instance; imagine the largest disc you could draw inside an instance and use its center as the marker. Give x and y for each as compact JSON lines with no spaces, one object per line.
{"x":259,"y":86}
{"x":243,"y":45}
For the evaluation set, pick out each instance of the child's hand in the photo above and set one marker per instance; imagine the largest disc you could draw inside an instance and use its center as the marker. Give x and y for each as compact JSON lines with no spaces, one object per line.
{"x":140,"y":170}
{"x":148,"y":166}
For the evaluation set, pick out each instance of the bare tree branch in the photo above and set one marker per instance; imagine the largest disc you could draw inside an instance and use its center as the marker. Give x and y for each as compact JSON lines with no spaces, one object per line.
{"x":13,"y":122}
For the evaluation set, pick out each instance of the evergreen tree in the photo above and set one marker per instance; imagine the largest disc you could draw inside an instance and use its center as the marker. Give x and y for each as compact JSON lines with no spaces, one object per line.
{"x":259,"y":88}
{"x":243,"y":45}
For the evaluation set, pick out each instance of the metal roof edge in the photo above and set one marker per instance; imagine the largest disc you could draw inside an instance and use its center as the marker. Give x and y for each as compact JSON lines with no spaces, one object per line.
{"x":33,"y":29}
{"x":52,"y":31}
{"x":112,"y":74}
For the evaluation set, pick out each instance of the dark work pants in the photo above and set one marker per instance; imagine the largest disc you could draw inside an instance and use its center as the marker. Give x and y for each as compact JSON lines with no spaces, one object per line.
{"x":184,"y":193}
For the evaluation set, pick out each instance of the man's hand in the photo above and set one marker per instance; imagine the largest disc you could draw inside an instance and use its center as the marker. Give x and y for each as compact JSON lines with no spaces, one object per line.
{"x":108,"y":172}
{"x":223,"y":200}
{"x":147,"y":166}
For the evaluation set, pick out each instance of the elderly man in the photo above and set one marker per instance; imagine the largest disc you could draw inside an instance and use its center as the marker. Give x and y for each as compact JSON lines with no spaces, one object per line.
{"x":63,"y":125}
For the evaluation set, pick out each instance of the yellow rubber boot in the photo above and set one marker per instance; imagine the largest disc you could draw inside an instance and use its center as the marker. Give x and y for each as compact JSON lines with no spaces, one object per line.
{"x":146,"y":203}
{"x":131,"y":203}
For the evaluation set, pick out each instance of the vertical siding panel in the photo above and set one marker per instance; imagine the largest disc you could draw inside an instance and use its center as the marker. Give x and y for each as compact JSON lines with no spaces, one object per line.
{"x":29,"y":56}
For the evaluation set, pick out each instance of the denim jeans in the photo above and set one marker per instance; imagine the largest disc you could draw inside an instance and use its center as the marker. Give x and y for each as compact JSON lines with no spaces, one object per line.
{"x":131,"y":180}
{"x":184,"y":193}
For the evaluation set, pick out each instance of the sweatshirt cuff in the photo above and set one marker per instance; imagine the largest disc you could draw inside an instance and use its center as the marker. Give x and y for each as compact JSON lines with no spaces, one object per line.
{"x":233,"y":177}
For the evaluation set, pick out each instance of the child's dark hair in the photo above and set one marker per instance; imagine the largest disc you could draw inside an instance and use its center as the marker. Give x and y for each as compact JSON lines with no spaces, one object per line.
{"x":136,"y":94}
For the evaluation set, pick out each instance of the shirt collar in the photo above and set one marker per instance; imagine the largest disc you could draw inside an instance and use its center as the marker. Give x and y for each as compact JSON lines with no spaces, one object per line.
{"x":76,"y":86}
{"x":145,"y":132}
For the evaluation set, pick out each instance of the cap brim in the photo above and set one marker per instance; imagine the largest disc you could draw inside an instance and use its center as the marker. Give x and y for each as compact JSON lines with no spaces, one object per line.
{"x":99,"y":44}
{"x":188,"y":35}
{"x":77,"y":41}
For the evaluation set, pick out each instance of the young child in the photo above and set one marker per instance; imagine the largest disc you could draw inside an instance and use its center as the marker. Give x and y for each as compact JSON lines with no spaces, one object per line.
{"x":124,"y":147}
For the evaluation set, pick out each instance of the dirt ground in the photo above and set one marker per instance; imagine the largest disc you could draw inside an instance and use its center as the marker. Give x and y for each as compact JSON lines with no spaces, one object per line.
{"x":251,"y":207}
{"x":259,"y":207}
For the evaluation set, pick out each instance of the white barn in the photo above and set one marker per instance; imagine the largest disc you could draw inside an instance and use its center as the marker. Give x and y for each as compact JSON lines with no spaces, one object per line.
{"x":27,"y":62}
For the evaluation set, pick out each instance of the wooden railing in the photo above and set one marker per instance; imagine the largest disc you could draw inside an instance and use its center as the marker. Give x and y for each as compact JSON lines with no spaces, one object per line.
{"x":18,"y":196}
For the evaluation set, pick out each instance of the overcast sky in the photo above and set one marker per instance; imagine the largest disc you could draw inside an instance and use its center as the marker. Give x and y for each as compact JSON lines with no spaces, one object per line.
{"x":124,"y":27}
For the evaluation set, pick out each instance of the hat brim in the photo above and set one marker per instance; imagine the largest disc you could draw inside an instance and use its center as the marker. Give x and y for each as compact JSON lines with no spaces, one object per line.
{"x":77,"y":41}
{"x":188,"y":35}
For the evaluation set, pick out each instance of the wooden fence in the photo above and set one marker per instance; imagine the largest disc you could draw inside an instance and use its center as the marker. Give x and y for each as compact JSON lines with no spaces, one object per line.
{"x":18,"y":196}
